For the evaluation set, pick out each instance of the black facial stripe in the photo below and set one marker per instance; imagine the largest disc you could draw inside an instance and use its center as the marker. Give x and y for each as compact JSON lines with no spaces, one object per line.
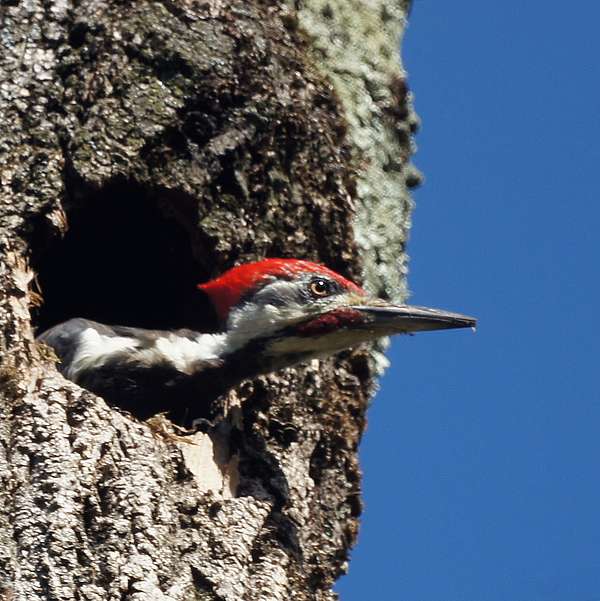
{"x":251,"y":292}
{"x":303,"y":291}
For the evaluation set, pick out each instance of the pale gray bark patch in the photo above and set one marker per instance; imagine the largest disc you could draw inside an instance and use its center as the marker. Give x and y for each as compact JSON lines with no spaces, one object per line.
{"x":359,"y":43}
{"x":224,"y":116}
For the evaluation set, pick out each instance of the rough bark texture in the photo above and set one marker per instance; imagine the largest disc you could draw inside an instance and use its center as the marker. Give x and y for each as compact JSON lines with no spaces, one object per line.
{"x":145,"y":146}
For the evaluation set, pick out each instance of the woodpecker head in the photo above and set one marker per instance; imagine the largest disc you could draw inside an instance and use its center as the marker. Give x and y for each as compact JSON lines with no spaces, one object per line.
{"x":291,"y":310}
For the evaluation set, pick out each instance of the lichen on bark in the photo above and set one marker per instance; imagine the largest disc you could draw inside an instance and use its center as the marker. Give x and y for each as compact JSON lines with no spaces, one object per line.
{"x":238,"y":123}
{"x":358,"y":45}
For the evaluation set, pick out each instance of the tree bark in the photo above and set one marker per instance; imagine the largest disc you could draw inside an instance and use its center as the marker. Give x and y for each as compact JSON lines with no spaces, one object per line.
{"x":144,"y":147}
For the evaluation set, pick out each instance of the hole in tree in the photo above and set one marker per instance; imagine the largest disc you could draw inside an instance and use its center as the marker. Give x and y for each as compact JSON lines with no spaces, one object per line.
{"x":122,"y":262}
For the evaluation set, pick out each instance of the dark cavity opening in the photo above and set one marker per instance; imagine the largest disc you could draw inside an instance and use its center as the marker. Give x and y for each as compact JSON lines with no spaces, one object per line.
{"x":126,"y":259}
{"x":122,"y":262}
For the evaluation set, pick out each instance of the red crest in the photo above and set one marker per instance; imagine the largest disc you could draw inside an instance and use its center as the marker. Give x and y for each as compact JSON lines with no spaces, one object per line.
{"x":227,"y":290}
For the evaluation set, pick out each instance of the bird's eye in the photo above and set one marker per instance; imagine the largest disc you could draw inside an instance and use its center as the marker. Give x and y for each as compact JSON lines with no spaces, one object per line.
{"x":320,"y":288}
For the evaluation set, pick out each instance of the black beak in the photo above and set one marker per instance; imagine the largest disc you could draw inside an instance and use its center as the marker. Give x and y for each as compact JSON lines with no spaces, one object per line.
{"x":404,"y":319}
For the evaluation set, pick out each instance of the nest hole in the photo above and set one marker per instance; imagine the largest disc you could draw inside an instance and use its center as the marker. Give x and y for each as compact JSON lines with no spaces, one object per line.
{"x":125,"y":259}
{"x":122,"y":261}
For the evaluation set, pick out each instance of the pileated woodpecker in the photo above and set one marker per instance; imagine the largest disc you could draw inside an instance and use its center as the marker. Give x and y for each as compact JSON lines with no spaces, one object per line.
{"x":273,"y":313}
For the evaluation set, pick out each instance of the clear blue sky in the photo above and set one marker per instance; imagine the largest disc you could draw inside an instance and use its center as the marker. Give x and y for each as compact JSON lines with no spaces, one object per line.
{"x":482,"y":456}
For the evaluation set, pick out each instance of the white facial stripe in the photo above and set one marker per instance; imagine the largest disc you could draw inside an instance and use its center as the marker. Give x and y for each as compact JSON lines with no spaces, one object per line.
{"x":95,"y":349}
{"x":278,"y":305}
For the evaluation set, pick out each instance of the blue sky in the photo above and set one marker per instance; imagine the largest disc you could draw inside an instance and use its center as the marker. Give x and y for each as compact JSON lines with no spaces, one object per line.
{"x":482,"y":455}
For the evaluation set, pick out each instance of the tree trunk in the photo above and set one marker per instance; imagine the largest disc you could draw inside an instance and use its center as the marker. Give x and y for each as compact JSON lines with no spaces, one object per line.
{"x":144,"y":147}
